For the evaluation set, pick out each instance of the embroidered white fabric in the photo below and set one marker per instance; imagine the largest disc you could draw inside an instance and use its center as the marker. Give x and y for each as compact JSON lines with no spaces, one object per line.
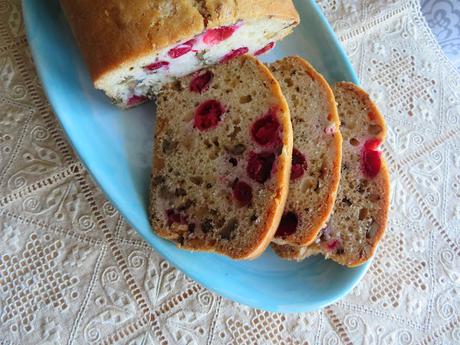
{"x":73,"y":272}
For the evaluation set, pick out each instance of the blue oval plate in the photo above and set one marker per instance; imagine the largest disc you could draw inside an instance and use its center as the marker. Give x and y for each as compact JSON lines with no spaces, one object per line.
{"x":116,"y":148}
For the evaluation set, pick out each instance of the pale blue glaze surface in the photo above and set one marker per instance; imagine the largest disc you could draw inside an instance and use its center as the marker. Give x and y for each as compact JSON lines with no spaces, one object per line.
{"x":116,"y":147}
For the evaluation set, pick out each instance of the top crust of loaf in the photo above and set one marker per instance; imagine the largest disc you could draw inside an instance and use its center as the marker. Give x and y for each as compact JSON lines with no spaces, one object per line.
{"x":113,"y":33}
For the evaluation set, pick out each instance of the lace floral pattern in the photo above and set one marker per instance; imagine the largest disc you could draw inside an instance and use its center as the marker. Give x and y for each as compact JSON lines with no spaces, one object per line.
{"x":72,"y":271}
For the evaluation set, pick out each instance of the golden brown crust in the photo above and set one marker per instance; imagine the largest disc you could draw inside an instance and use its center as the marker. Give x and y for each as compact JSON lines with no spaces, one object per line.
{"x":223,"y":12}
{"x":113,"y":33}
{"x":383,"y":181}
{"x":305,"y":238}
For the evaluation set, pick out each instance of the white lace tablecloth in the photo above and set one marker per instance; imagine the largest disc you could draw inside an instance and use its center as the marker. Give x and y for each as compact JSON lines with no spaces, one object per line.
{"x":73,"y":272}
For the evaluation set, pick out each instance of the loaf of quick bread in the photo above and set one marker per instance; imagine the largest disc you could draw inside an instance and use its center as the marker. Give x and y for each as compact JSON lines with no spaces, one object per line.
{"x":133,"y":48}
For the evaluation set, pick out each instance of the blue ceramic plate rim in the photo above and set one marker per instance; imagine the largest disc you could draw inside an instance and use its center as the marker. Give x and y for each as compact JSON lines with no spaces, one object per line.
{"x":265,"y":305}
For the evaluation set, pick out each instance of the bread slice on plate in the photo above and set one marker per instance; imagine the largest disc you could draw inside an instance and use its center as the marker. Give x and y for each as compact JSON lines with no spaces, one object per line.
{"x":361,"y":210}
{"x":222,"y":159}
{"x":132,"y":49}
{"x":317,"y":151}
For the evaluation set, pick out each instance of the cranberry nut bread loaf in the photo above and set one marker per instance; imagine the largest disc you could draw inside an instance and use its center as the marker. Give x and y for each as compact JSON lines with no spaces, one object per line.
{"x":132,"y":49}
{"x":361,"y":209}
{"x":317,"y":151}
{"x":222,"y":159}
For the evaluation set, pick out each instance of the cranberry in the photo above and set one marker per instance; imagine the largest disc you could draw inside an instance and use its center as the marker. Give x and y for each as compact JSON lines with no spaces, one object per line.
{"x":215,"y":36}
{"x":156,"y":66}
{"x":372,"y":144}
{"x":242,"y":192}
{"x":371,"y":163}
{"x":370,"y":158}
{"x":208,"y":115}
{"x":298,"y":164}
{"x":182,"y":49}
{"x":175,"y":217}
{"x":135,"y":100}
{"x":260,"y":166}
{"x":265,"y":49}
{"x":266,"y":129}
{"x":288,"y":225}
{"x":371,"y":115}
{"x":201,"y":82}
{"x":333,"y":245}
{"x":235,"y":53}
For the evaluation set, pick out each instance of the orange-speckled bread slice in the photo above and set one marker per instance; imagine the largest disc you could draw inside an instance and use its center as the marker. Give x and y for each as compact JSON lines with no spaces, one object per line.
{"x":361,"y":209}
{"x":222,"y":160}
{"x":317,"y":151}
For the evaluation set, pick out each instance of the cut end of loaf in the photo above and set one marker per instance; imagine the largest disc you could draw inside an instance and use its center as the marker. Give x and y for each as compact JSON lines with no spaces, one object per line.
{"x":138,"y":80}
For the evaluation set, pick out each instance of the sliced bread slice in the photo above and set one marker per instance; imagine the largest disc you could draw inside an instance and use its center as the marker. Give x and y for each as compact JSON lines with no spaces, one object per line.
{"x":361,"y":209}
{"x":222,"y":159}
{"x":317,"y":151}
